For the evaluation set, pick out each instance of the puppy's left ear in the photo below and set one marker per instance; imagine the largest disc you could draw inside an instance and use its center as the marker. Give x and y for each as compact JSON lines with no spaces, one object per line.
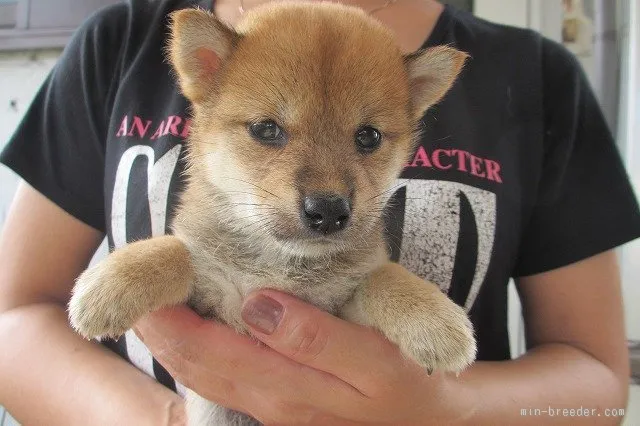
{"x":431,"y":74}
{"x":198,"y":46}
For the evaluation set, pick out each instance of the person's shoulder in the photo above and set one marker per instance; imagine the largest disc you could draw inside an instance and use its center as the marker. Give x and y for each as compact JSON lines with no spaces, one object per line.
{"x":480,"y":36}
{"x":134,"y":14}
{"x":469,"y":25}
{"x":559,"y":60}
{"x":479,"y":33}
{"x":120,"y":30}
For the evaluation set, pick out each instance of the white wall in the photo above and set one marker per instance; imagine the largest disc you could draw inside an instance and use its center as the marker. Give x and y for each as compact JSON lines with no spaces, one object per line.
{"x":629,"y":131}
{"x":508,"y":12}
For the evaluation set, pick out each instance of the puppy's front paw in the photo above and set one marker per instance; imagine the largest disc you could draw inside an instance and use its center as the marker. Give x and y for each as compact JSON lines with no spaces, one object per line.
{"x":437,"y":337}
{"x":130,"y":283}
{"x":98,"y":307}
{"x":414,"y":314}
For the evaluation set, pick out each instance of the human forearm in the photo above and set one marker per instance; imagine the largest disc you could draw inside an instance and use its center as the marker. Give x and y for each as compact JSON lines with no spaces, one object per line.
{"x":545,"y":381}
{"x":51,"y":376}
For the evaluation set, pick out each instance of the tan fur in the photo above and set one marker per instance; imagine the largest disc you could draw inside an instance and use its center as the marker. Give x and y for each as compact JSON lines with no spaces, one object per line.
{"x":415,"y":315}
{"x":203,"y":35}
{"x":131,"y":282}
{"x":432,"y":74}
{"x":321,"y":72}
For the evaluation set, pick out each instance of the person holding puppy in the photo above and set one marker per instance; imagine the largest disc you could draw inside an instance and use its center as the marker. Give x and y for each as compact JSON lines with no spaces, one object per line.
{"x":507,"y":181}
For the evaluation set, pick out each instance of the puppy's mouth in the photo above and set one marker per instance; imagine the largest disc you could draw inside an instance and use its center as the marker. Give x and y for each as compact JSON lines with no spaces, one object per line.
{"x":312,"y":227}
{"x":310,"y":245}
{"x":295,"y":235}
{"x":309,"y":239}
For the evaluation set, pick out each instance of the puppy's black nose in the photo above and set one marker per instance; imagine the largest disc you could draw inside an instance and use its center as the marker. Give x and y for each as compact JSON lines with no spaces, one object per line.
{"x":326,"y":213}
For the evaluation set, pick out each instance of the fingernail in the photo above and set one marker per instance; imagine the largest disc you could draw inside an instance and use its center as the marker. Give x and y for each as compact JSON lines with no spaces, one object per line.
{"x":262,"y":313}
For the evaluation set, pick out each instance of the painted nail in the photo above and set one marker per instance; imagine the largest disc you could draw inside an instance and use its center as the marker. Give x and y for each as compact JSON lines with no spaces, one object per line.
{"x":262,"y":313}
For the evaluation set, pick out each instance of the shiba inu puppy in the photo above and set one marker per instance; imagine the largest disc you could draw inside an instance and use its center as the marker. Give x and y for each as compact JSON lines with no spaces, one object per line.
{"x":303,"y":117}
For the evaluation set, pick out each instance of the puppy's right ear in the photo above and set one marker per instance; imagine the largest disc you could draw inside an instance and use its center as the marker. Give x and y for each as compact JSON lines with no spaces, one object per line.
{"x":198,"y":45}
{"x":432,"y":72}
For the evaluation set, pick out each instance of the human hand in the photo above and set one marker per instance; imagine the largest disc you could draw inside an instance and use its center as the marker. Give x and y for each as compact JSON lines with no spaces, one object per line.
{"x":313,"y":368}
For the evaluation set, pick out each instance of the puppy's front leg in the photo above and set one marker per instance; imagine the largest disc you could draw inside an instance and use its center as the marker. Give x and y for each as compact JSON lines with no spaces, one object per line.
{"x":414,"y":314}
{"x":129,"y":283}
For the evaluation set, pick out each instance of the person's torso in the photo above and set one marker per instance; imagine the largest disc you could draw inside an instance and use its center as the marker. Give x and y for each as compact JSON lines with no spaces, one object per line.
{"x":460,"y":204}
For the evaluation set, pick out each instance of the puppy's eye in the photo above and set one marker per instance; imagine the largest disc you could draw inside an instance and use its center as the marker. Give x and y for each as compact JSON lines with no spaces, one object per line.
{"x":368,"y":139}
{"x":267,"y":131}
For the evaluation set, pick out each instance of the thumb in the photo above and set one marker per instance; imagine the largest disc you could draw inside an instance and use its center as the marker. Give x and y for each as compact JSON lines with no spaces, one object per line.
{"x":310,"y":336}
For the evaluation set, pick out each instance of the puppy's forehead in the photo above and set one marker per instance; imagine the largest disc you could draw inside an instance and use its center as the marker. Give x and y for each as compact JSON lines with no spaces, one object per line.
{"x":327,"y":50}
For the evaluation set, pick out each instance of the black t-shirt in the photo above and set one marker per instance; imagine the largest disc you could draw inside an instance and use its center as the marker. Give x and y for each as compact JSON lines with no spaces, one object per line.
{"x":516,"y":173}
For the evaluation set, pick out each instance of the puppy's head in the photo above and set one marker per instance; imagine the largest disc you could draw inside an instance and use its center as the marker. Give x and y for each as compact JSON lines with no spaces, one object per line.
{"x":303,"y":117}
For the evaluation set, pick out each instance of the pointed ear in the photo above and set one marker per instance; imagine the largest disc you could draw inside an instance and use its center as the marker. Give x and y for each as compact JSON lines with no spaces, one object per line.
{"x":431,"y":74}
{"x":198,"y":45}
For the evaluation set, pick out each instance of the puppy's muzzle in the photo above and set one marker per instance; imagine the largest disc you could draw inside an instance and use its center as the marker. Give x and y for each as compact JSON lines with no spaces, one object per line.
{"x":325,"y":213}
